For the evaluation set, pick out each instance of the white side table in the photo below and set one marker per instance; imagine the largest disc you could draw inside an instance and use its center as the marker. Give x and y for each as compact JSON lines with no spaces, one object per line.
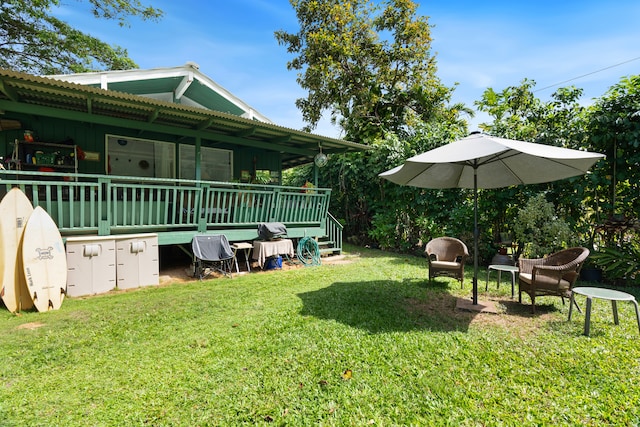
{"x":500,"y":268}
{"x":246,"y":248}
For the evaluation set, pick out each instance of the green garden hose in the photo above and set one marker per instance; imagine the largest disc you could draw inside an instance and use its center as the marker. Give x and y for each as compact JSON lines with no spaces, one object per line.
{"x":308,"y":251}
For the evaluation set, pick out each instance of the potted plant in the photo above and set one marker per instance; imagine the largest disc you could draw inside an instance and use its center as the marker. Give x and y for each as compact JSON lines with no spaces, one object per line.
{"x":617,"y":254}
{"x":591,"y":271}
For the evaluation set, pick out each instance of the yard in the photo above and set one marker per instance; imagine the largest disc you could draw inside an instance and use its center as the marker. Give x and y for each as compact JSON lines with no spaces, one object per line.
{"x":363,"y":342}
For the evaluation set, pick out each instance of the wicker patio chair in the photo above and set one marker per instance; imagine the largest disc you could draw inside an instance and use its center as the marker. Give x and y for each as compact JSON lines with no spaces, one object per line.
{"x":446,"y":257}
{"x":554,"y":275}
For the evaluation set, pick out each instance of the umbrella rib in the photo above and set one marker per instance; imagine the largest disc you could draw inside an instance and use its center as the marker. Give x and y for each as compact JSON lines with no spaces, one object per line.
{"x":498,"y":157}
{"x":501,"y":157}
{"x":420,"y":173}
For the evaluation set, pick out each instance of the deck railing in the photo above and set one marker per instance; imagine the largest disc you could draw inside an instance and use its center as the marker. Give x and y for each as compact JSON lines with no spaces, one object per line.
{"x":105,"y":205}
{"x":333,"y":235}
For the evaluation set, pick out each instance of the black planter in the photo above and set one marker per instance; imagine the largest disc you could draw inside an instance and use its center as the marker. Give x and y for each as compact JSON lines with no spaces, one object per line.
{"x":502,"y":259}
{"x":591,"y":274}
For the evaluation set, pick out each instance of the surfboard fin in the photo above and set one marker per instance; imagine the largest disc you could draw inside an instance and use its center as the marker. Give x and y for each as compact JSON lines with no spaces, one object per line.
{"x":50,"y":307}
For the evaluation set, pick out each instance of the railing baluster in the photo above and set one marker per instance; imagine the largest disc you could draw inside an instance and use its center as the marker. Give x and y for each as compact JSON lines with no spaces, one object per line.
{"x":107,"y":204}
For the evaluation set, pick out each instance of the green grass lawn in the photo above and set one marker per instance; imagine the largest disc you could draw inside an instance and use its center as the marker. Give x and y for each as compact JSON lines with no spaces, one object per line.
{"x":369,"y":342}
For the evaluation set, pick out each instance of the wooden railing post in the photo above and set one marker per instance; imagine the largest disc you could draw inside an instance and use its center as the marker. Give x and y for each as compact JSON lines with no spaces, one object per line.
{"x":277,"y":205}
{"x":202,"y":205}
{"x":104,"y":212}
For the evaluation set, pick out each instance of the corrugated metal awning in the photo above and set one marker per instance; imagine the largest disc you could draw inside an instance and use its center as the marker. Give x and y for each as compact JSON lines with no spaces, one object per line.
{"x":24,"y":93}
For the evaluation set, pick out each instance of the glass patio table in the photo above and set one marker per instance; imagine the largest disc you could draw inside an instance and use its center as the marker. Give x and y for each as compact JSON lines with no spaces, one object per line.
{"x":500,"y":268}
{"x":605,"y":294}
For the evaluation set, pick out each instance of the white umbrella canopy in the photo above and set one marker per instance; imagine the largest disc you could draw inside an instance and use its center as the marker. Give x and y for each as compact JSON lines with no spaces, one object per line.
{"x":484,"y":161}
{"x":498,"y":162}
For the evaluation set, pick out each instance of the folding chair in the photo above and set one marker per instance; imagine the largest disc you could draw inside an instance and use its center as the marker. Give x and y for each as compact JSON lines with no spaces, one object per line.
{"x":212,"y":253}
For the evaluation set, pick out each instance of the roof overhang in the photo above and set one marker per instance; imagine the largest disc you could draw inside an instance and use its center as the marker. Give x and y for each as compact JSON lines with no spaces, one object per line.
{"x":49,"y":97}
{"x":184,"y":84}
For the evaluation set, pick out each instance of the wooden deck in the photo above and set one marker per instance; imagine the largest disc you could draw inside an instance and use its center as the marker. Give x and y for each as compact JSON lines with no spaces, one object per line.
{"x":176,"y":210}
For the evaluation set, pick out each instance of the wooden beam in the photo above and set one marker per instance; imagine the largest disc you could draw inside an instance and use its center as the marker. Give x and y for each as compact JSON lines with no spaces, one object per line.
{"x":9,"y":92}
{"x":245,"y":133}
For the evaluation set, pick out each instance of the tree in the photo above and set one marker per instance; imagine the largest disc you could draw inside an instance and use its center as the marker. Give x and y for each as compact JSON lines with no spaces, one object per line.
{"x":614,"y":130}
{"x":369,"y":65}
{"x":33,"y":40}
{"x":540,"y":228}
{"x":560,"y":121}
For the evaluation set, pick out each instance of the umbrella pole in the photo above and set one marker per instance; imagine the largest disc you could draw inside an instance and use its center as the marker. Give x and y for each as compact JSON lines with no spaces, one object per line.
{"x":476,"y":233}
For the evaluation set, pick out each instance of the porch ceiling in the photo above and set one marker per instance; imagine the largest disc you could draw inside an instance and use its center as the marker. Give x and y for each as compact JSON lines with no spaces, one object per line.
{"x":24,"y":93}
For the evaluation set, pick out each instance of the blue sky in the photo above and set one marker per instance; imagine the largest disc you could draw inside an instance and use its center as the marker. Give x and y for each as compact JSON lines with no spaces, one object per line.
{"x":479,"y":44}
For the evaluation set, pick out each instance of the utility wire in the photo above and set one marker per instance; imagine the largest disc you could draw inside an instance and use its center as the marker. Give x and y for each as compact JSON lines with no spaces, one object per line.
{"x":588,"y":74}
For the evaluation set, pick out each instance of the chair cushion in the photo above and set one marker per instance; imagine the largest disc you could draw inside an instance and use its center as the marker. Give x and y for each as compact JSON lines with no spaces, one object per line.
{"x":544,"y":282}
{"x":446,"y":265}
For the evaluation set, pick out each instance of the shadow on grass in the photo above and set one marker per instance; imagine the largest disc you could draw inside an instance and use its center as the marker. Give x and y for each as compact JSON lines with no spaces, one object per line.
{"x":513,"y":307}
{"x":388,"y":306}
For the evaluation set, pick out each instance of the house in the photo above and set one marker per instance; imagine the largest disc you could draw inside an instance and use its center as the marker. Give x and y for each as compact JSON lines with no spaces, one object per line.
{"x":165,"y":151}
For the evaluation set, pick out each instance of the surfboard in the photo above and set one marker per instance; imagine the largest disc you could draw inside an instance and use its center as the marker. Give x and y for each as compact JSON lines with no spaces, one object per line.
{"x":15,"y":210}
{"x":44,"y":261}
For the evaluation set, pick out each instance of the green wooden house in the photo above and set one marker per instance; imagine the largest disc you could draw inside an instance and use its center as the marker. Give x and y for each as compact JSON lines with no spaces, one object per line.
{"x":164,"y":151}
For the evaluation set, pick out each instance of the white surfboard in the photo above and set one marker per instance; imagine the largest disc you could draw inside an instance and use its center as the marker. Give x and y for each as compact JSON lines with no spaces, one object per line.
{"x":15,"y":210}
{"x":44,"y":260}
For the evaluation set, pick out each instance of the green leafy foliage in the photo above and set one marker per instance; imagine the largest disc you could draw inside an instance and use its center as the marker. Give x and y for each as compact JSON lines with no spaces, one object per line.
{"x":538,"y":225}
{"x":35,"y":41}
{"x":620,"y":263}
{"x":369,"y":64}
{"x":614,"y":130}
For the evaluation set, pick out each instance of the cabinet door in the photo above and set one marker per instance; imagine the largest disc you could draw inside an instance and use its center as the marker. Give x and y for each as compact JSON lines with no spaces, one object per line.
{"x":137,"y":261}
{"x":91,"y":266}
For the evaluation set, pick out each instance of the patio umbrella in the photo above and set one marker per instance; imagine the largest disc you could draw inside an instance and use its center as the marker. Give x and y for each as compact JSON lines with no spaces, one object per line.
{"x":484,"y":161}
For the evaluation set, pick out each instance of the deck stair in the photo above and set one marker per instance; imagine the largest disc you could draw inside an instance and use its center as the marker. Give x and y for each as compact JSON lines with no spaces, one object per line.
{"x":331,"y":242}
{"x":327,"y":247}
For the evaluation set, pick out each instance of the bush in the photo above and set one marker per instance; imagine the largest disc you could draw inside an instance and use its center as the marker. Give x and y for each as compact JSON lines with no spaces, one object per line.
{"x":539,"y":230}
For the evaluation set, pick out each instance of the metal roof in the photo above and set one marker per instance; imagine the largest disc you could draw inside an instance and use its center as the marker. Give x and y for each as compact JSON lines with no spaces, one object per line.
{"x":45,"y":96}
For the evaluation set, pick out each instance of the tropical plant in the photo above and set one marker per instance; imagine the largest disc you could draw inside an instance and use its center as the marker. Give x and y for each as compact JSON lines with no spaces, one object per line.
{"x":614,"y":130}
{"x":620,"y":263}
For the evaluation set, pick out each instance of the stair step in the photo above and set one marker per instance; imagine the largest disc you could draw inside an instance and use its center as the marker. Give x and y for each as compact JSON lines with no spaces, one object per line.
{"x":329,"y":251}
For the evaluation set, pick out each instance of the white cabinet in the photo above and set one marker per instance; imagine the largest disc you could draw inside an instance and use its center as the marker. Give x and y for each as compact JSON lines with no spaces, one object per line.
{"x":91,"y":265}
{"x":99,"y":264}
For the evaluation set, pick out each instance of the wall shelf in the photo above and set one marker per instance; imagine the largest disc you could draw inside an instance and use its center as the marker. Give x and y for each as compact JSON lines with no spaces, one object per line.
{"x":38,"y":155}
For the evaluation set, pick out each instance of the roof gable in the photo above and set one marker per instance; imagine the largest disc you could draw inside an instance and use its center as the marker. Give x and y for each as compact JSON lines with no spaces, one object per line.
{"x":181,"y":85}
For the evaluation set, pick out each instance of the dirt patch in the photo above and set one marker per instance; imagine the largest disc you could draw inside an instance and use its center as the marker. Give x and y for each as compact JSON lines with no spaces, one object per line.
{"x":31,"y":326}
{"x":511,"y":315}
{"x":183,"y":273}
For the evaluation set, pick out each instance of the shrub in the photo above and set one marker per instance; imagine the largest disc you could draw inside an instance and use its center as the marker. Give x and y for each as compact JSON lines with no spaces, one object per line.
{"x":539,"y":230}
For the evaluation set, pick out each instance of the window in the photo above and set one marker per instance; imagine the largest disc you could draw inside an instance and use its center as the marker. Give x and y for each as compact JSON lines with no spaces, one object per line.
{"x":139,"y":157}
{"x":216,"y":164}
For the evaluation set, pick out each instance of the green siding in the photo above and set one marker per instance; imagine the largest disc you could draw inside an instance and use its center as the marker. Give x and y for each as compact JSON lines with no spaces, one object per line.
{"x":92,"y":138}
